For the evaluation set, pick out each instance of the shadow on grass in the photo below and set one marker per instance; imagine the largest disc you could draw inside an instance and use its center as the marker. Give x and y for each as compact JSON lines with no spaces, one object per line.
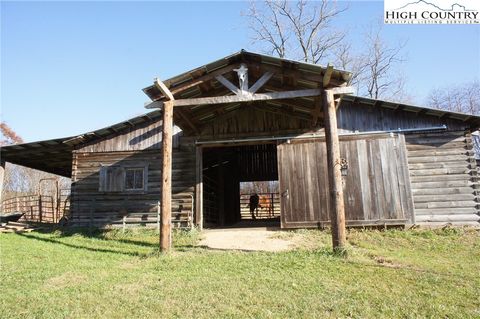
{"x":92,"y":249}
{"x":103,"y":234}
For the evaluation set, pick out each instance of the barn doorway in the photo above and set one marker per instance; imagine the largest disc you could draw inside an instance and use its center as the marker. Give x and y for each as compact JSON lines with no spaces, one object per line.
{"x":230,"y":175}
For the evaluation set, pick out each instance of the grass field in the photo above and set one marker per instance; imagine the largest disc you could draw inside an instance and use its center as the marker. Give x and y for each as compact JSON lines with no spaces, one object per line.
{"x":391,"y":274}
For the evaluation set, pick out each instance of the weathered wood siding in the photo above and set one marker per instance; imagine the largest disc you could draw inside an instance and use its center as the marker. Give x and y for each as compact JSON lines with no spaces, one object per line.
{"x":251,"y":120}
{"x":89,"y":205}
{"x":136,"y":138}
{"x":138,"y":146}
{"x":353,"y":117}
{"x":444,"y":178}
{"x":377,"y":188}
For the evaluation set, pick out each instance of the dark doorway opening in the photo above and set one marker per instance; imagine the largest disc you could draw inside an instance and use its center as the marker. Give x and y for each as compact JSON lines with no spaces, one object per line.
{"x":226,"y":172}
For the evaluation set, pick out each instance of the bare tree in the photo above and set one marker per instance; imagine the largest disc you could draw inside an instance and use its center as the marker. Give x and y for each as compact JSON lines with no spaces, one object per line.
{"x":305,"y":31}
{"x":380,"y":60}
{"x":458,"y":98}
{"x":463,"y":98}
{"x":376,"y":67}
{"x":301,"y":30}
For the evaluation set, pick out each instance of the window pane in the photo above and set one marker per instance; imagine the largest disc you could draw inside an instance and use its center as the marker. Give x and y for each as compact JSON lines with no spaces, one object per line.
{"x":139,"y":178}
{"x":129,"y":179}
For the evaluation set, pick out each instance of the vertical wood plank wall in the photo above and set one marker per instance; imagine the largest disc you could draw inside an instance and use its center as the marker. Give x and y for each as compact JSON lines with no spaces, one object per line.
{"x":376,"y":188}
{"x":444,"y":178}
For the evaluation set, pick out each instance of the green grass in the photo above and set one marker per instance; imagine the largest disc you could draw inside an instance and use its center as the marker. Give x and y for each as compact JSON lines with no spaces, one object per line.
{"x":391,"y":274}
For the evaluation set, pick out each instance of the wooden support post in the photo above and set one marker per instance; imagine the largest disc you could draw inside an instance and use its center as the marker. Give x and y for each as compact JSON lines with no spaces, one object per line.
{"x":165,"y":231}
{"x":40,"y":209}
{"x":337,"y":211}
{"x":2,"y":178}
{"x":221,"y":189}
{"x":158,"y":217}
{"x":199,"y":188}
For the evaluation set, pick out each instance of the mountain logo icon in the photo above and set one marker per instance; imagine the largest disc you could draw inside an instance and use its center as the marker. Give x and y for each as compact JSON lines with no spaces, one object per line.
{"x":453,"y":7}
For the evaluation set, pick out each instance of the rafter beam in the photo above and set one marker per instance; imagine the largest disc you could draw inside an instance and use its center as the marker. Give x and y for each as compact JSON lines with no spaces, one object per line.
{"x":241,"y":98}
{"x":328,"y":75}
{"x":229,"y":85}
{"x":342,"y":90}
{"x":260,"y":82}
{"x":163,"y":88}
{"x":202,"y":79}
{"x":298,"y":74}
{"x":317,"y":111}
{"x":187,"y":120}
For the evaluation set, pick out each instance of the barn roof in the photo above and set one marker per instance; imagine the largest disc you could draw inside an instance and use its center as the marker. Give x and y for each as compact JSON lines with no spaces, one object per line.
{"x":310,"y":74}
{"x":55,"y":156}
{"x":201,"y":82}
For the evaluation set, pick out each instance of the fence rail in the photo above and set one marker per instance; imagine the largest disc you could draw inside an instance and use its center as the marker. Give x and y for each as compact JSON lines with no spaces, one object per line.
{"x":36,"y":208}
{"x":269,"y":206}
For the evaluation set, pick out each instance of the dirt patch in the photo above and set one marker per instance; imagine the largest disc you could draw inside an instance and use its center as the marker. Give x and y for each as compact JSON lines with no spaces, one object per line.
{"x":247,"y":239}
{"x":64,"y":280}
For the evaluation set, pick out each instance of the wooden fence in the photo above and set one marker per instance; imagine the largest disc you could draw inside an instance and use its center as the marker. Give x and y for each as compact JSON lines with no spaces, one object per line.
{"x":36,"y":208}
{"x":269,"y":206}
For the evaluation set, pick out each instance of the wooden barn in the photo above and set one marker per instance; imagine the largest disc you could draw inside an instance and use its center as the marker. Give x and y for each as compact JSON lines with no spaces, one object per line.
{"x":251,"y":117}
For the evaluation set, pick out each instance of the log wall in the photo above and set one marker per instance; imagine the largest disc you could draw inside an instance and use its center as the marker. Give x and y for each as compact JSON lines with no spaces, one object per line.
{"x":441,"y":167}
{"x":444,"y":179}
{"x":92,"y":207}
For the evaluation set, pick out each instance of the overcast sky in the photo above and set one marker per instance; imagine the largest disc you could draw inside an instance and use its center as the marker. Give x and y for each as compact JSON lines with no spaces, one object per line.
{"x":72,"y":67}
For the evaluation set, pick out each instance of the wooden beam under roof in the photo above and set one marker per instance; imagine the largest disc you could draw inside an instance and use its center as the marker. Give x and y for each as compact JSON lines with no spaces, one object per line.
{"x":297,"y":74}
{"x":186,"y":119}
{"x":260,"y":82}
{"x":239,"y":98}
{"x":327,"y":76}
{"x":342,"y":90}
{"x":163,"y":88}
{"x":229,"y":85}
{"x":197,"y":81}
